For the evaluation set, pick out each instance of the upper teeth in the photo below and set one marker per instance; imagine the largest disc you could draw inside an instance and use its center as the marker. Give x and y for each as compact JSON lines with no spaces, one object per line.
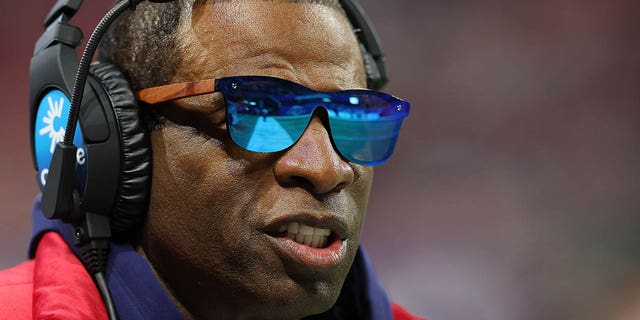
{"x":304,"y":234}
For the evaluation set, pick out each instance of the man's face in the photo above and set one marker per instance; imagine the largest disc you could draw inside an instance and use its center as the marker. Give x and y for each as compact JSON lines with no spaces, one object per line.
{"x":217,"y":212}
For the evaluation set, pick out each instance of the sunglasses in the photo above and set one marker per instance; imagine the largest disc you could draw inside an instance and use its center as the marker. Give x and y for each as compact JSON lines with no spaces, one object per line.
{"x":266,"y":114}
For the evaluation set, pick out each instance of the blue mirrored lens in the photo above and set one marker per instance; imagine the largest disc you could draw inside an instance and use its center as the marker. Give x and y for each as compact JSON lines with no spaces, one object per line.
{"x":366,"y":131}
{"x":266,"y":114}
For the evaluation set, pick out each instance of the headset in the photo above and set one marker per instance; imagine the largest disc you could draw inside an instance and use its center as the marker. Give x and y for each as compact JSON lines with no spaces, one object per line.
{"x":89,"y":145}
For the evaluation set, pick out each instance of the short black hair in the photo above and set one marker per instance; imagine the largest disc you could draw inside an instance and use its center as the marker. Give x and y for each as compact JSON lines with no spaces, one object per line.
{"x":140,"y":42}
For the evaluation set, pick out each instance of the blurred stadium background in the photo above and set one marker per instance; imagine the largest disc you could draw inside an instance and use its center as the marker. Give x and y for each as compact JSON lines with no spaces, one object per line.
{"x":513,"y":193}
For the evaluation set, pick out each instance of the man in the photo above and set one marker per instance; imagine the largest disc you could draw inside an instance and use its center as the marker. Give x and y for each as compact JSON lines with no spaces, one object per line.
{"x":224,"y":235}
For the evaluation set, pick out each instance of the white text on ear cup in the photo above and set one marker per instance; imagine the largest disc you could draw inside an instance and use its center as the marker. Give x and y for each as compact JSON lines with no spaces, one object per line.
{"x":80,"y":156}
{"x":43,"y":176}
{"x":81,"y":159}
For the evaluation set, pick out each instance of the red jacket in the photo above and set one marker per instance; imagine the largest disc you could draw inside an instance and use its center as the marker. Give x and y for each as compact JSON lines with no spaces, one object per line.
{"x":55,"y":285}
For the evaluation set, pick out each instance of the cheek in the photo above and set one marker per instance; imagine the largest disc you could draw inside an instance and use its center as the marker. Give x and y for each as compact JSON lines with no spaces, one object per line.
{"x":363,"y":181}
{"x":362,"y":184}
{"x":360,"y":192}
{"x":194,"y":169}
{"x":197,"y":190}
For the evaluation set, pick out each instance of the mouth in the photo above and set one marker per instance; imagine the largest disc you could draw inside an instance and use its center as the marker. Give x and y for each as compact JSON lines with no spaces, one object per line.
{"x":306,"y":235}
{"x":317,"y":244}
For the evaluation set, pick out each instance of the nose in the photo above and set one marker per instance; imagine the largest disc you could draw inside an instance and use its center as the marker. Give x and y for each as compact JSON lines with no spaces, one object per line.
{"x":313,"y":163}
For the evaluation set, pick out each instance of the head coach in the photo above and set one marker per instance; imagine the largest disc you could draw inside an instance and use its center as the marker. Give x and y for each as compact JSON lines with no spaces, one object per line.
{"x":214,"y":163}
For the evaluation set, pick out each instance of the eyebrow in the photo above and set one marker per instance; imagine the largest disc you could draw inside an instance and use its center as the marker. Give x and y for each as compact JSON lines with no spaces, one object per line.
{"x":176,"y":91}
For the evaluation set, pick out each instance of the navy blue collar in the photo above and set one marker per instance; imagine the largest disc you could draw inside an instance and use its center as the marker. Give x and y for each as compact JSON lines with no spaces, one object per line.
{"x":138,"y":294}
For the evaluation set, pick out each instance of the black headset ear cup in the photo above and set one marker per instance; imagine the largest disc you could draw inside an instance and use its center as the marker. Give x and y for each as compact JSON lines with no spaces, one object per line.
{"x":135,"y":177}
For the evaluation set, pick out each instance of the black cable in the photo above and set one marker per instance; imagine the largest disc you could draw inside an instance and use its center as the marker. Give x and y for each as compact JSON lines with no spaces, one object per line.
{"x":85,"y":61}
{"x":94,"y":254}
{"x":96,"y":250}
{"x":101,"y":283}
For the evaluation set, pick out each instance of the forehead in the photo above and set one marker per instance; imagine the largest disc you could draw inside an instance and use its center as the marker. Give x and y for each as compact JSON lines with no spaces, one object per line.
{"x":303,"y":42}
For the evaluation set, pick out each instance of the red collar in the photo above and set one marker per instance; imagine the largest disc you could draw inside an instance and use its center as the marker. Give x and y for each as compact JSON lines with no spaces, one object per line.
{"x":62,"y":288}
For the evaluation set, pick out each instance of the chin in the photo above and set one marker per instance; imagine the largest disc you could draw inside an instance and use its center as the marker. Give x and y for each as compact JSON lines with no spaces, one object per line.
{"x":311,"y":298}
{"x":296,"y":301}
{"x":304,"y":292}
{"x":300,"y":309}
{"x":292,"y":299}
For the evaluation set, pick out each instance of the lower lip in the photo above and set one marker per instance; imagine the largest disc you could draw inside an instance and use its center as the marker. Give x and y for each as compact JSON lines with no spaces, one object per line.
{"x":314,"y":258}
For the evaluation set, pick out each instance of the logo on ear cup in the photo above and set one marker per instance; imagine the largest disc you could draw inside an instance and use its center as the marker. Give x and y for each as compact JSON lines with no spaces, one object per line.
{"x":51,"y":122}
